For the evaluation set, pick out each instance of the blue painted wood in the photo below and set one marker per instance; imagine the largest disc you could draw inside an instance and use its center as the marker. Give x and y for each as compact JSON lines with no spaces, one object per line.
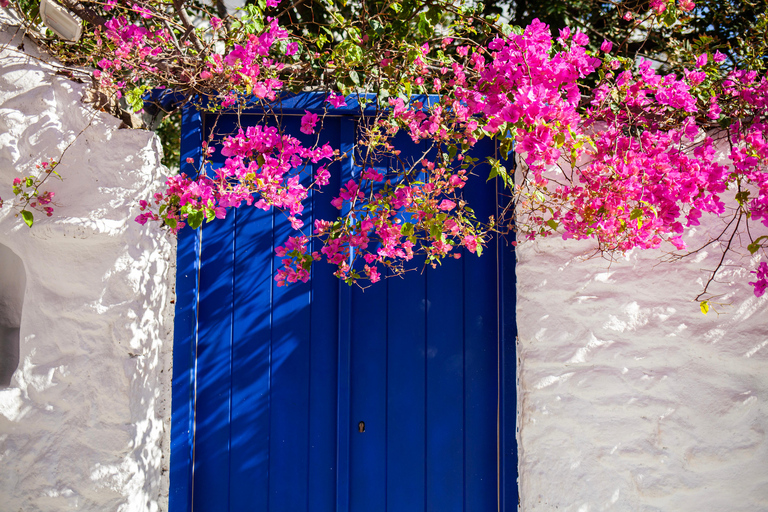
{"x":406,"y":393}
{"x":286,"y":374}
{"x":182,"y":402}
{"x":347,"y":130}
{"x":368,"y":371}
{"x":505,"y":255}
{"x":214,"y":359}
{"x":481,"y":346}
{"x":289,"y":432}
{"x":252,"y":355}
{"x":185,"y":336}
{"x":445,"y":387}
{"x":324,"y":337}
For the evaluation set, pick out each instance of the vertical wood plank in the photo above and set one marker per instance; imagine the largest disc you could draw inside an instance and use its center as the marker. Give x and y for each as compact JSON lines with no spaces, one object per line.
{"x":346,"y":145}
{"x":481,"y":358}
{"x":251,"y":377}
{"x":290,"y":370}
{"x":289,"y":432}
{"x":324,"y":352}
{"x":212,"y":418}
{"x":406,"y":393}
{"x":185,"y":336}
{"x":508,"y":325}
{"x":445,"y":387}
{"x":368,"y":394}
{"x":368,"y":456}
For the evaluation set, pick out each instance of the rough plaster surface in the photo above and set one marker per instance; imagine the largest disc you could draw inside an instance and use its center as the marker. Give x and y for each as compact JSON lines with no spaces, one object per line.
{"x":630,"y":399}
{"x":84,"y":423}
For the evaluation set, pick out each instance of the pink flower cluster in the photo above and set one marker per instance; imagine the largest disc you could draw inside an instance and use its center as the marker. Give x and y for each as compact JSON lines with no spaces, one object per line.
{"x":762,"y":279}
{"x":250,"y":65}
{"x":631,"y":164}
{"x":631,"y":170}
{"x":389,"y":220}
{"x":263,"y":168}
{"x":28,"y":193}
{"x":129,"y":46}
{"x":149,"y":50}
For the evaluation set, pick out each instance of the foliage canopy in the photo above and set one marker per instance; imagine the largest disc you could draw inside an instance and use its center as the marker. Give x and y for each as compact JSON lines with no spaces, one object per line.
{"x":616,"y":110}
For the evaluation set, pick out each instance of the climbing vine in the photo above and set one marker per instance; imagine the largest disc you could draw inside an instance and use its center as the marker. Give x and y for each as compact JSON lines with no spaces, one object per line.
{"x":610,"y":148}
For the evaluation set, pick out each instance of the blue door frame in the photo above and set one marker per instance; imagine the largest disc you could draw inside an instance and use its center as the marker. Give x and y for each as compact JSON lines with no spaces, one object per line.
{"x":270,"y":384}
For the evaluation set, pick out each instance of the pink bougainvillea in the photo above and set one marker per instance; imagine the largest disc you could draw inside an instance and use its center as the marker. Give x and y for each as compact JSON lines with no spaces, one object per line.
{"x":631,"y":162}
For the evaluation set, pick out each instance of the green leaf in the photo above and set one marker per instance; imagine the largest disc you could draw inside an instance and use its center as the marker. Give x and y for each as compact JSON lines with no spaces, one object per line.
{"x":552,"y":223}
{"x":704,"y":305}
{"x":497,"y":169}
{"x":670,"y":18}
{"x":195,"y":219}
{"x":171,"y":223}
{"x":338,"y":18}
{"x":28,"y":217}
{"x":742,"y":197}
{"x":377,"y":26}
{"x":354,"y":77}
{"x":135,"y":99}
{"x":753,"y":247}
{"x":355,"y":37}
{"x":424,"y":26}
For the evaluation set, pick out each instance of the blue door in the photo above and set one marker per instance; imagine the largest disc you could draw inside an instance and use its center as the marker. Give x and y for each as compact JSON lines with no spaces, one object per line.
{"x":321,"y":397}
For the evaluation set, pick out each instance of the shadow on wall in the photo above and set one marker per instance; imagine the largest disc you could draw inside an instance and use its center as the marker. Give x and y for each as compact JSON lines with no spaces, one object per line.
{"x":13,"y":281}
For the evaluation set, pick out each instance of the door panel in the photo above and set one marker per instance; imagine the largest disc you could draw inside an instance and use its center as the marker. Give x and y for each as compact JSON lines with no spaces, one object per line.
{"x":251,"y":358}
{"x":368,"y":399}
{"x":283,"y":376}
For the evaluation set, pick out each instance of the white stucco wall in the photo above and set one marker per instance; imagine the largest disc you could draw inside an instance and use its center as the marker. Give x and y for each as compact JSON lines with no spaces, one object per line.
{"x":84,"y":424}
{"x":630,"y":399}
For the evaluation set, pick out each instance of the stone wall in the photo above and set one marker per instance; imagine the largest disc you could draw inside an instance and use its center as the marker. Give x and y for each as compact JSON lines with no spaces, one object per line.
{"x":84,"y":420}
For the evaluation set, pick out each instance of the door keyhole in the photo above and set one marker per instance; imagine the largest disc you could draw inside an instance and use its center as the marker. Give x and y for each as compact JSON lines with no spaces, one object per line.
{"x":361,"y":427}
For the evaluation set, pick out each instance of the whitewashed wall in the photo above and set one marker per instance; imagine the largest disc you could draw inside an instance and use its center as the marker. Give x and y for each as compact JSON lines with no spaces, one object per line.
{"x":630,"y":399}
{"x":84,"y":423}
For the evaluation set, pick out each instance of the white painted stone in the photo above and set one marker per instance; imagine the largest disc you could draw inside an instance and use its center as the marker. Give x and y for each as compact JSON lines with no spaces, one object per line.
{"x":630,"y":399}
{"x":85,"y":422}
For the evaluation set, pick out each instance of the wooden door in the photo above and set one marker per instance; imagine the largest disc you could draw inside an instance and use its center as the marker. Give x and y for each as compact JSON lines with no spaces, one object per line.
{"x":321,"y":397}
